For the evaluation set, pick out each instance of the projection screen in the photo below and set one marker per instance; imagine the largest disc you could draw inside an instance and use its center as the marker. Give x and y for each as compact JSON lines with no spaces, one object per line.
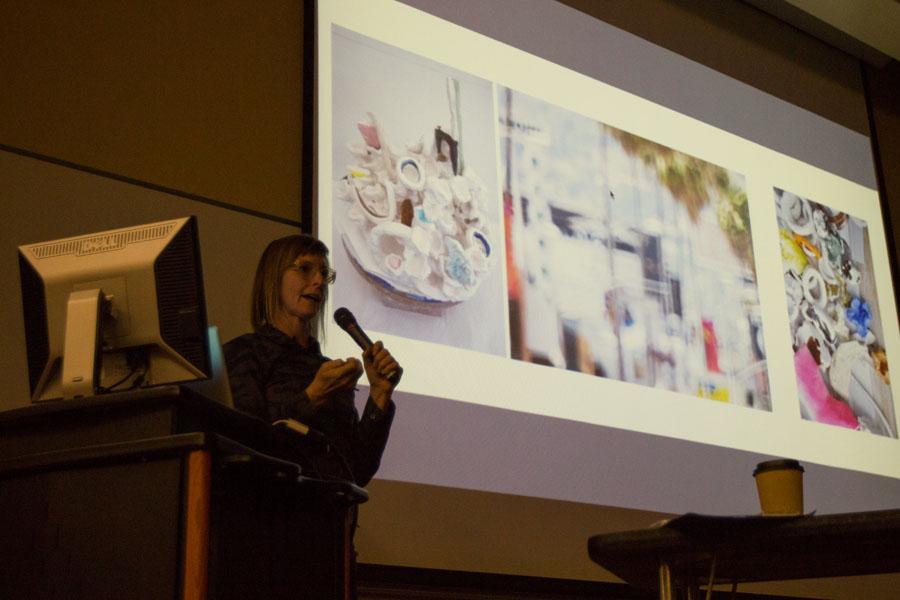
{"x":559,"y":254}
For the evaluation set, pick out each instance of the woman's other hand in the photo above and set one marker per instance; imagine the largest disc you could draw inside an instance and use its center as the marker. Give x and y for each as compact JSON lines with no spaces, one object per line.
{"x":333,"y":376}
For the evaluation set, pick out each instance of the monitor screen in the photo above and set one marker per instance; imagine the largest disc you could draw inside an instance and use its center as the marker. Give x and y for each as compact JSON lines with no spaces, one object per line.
{"x":114,"y":310}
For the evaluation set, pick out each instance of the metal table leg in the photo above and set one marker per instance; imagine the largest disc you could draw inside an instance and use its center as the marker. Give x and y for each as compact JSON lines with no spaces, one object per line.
{"x":665,"y":582}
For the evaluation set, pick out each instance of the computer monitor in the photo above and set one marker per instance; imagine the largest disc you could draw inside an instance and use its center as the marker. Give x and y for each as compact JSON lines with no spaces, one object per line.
{"x":114,"y":310}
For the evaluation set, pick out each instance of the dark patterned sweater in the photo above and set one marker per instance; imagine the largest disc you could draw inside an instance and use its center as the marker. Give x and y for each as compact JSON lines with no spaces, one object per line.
{"x":269,"y":373}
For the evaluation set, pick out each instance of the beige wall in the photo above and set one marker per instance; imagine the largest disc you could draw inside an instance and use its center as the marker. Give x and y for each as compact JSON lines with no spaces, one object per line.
{"x":204,"y":98}
{"x":200,"y":97}
{"x":46,"y":201}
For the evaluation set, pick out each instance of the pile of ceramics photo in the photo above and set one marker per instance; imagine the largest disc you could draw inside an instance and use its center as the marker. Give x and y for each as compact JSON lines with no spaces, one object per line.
{"x":840,"y":364}
{"x":413,"y":221}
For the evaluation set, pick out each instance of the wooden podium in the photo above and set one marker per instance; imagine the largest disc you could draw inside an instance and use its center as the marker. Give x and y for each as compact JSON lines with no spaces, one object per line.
{"x":162,"y":493}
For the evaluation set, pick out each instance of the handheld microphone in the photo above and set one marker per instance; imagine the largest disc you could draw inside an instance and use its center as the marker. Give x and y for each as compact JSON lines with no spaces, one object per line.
{"x":346,"y":321}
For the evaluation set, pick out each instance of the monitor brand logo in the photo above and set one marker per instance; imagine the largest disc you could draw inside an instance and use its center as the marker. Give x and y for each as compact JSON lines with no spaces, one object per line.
{"x":102,"y":242}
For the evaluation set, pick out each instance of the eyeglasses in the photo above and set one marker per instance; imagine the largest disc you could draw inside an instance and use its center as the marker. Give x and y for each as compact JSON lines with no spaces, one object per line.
{"x":306,"y":270}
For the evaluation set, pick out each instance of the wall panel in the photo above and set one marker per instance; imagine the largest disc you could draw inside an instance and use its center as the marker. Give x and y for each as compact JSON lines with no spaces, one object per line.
{"x":199,"y":97}
{"x":45,"y":201}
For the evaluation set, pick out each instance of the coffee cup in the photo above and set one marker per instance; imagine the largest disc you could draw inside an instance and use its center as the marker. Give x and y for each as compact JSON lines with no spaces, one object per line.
{"x":779,"y":484}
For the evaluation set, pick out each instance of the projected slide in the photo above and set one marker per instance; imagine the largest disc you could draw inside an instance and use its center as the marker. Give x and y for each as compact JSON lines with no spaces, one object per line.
{"x":415,"y":210}
{"x":616,"y":244}
{"x":530,"y":239}
{"x":836,"y":329}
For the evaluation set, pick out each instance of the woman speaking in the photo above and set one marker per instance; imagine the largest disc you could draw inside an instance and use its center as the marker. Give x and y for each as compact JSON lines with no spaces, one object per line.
{"x":279,"y":372}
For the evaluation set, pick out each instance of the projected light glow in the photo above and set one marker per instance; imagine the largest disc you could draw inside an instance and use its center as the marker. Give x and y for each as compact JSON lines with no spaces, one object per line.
{"x":527,"y":238}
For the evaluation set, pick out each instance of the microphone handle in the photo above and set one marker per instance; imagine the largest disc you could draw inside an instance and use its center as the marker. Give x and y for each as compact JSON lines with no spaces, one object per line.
{"x":359,"y":336}
{"x":363,"y":341}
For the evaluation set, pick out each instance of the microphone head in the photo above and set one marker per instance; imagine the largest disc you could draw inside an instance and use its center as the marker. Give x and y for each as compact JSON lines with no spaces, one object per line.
{"x":344,"y":318}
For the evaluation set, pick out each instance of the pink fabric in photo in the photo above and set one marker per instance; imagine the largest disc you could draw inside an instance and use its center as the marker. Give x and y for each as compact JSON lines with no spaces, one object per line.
{"x":823,"y":407}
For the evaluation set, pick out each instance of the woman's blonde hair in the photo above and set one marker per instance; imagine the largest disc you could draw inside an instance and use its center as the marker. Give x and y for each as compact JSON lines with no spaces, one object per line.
{"x":280,"y":254}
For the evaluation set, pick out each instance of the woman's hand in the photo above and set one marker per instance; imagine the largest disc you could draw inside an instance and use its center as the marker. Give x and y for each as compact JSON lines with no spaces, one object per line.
{"x":333,"y":376}
{"x":383,"y":371}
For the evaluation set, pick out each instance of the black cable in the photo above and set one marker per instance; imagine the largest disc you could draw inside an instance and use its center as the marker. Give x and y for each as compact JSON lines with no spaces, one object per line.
{"x":113,"y":386}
